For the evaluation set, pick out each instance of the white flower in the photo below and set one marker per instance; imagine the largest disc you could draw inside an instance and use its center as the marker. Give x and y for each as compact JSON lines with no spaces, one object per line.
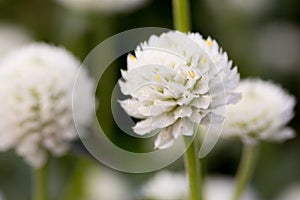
{"x":291,"y":193}
{"x":166,"y":186}
{"x":11,"y":37}
{"x":176,"y":81}
{"x":174,"y":186}
{"x":262,"y":113}
{"x":104,"y":6}
{"x":1,"y":196}
{"x":106,"y":185}
{"x":222,"y":188}
{"x":36,"y":84}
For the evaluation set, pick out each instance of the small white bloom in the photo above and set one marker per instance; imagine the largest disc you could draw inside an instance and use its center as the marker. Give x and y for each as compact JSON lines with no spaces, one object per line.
{"x":291,"y":193}
{"x":166,"y":186}
{"x":262,"y":113}
{"x":174,"y":186}
{"x":106,"y":185}
{"x":176,"y":81}
{"x":1,"y":196}
{"x":11,"y":37}
{"x":36,"y":84}
{"x":104,"y":6}
{"x":222,"y":188}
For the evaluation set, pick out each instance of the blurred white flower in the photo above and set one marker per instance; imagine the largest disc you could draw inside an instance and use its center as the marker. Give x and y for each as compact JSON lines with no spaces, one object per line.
{"x":262,"y":114}
{"x":104,"y":6}
{"x":174,"y":186}
{"x":36,"y":84}
{"x":222,"y":188}
{"x":106,"y":185}
{"x":1,"y":196}
{"x":177,"y":81}
{"x":278,"y":46}
{"x":11,"y":37}
{"x":166,"y":186}
{"x":291,"y":193}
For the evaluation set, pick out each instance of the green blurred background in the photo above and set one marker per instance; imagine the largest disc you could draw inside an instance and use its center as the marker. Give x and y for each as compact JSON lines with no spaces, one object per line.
{"x":262,"y":37}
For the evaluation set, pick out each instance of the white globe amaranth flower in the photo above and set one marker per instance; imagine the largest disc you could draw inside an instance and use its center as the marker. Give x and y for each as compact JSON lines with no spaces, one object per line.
{"x":1,"y":196}
{"x":262,"y":114}
{"x":177,"y":81}
{"x":106,"y":184}
{"x":222,"y":188}
{"x":104,"y":6}
{"x":166,"y":185}
{"x":290,"y":193}
{"x":11,"y":37}
{"x":36,"y":84}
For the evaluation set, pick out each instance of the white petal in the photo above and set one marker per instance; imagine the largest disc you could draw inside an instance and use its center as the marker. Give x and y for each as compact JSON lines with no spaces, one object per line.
{"x":183,"y":111}
{"x":212,"y":118}
{"x":164,"y":139}
{"x":282,"y":135}
{"x":183,"y":127}
{"x":202,"y":102}
{"x":134,"y":108}
{"x":145,"y":126}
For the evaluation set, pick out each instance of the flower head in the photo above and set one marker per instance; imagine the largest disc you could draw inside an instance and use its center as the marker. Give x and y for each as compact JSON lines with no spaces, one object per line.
{"x":106,"y":184}
{"x":262,"y":113}
{"x":166,"y":186}
{"x":104,"y":6}
{"x":291,"y":193}
{"x":36,"y":85}
{"x":11,"y":37}
{"x":177,"y":81}
{"x":174,"y":186}
{"x":218,"y":187}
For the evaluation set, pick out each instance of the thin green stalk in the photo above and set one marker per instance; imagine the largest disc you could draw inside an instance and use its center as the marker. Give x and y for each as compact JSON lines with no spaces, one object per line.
{"x":181,"y":15}
{"x":74,"y":189}
{"x":192,"y":165}
{"x":181,"y":19}
{"x":245,"y":170}
{"x":40,"y":183}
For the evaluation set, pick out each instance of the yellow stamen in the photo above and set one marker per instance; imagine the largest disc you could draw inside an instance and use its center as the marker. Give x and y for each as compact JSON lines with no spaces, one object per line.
{"x":132,"y":57}
{"x":204,"y":60}
{"x":182,"y":73}
{"x":208,"y":41}
{"x":191,"y":74}
{"x":157,"y":77}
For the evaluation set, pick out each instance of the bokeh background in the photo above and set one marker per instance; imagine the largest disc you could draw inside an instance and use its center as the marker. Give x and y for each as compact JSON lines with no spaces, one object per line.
{"x":262,"y":37}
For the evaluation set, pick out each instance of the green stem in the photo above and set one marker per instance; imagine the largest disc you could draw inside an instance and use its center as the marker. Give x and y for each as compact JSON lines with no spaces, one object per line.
{"x":181,"y":15}
{"x":245,"y":170}
{"x":40,"y":184}
{"x":192,"y":165}
{"x":74,"y":189}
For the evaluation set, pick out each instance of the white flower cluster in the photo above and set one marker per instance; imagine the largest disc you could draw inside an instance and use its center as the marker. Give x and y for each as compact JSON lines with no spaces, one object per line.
{"x":176,"y":81}
{"x":106,"y":185}
{"x":291,"y":193}
{"x":166,"y":186}
{"x":1,"y":196}
{"x":262,"y":113}
{"x":222,"y":188}
{"x":174,"y":186}
{"x":36,"y":84}
{"x":104,"y":6}
{"x":11,"y":37}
